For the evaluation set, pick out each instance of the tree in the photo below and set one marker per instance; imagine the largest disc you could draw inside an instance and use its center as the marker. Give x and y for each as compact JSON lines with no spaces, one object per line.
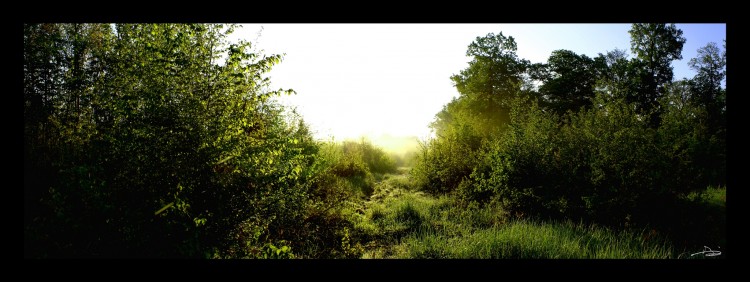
{"x":710,"y":67}
{"x":492,"y":79}
{"x":568,"y":81}
{"x":62,"y":64}
{"x":709,"y":97}
{"x":655,"y":46}
{"x":615,"y":74}
{"x":487,"y":87}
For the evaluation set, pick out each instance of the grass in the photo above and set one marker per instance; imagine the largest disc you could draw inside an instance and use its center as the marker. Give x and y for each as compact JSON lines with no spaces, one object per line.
{"x":702,"y":221}
{"x":712,"y":196}
{"x":423,"y":227}
{"x":399,"y":222}
{"x":528,"y":240}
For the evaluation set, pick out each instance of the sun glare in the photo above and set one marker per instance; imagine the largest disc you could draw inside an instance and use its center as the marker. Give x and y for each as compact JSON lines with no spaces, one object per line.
{"x":373,"y":80}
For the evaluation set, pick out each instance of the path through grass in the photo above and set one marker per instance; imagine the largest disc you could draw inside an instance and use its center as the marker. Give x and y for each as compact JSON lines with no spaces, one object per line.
{"x":398,"y":222}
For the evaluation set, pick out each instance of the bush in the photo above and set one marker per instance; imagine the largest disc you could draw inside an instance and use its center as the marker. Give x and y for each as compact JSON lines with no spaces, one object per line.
{"x":446,"y":161}
{"x":603,"y":164}
{"x":376,"y":160}
{"x":168,"y":151}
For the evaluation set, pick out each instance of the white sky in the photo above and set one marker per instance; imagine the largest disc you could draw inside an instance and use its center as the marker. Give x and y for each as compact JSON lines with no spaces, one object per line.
{"x":391,"y":79}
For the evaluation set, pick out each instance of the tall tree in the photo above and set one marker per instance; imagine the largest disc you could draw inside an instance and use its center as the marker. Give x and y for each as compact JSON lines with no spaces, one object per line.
{"x":710,"y":66}
{"x":655,"y":46}
{"x":42,"y":80}
{"x":487,"y":87}
{"x":494,"y":76}
{"x":615,"y":74}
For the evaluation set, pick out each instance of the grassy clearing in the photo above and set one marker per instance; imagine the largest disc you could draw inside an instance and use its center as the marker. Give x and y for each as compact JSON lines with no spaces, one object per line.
{"x":703,"y":221}
{"x":399,"y":222}
{"x":712,"y":196}
{"x":528,"y":239}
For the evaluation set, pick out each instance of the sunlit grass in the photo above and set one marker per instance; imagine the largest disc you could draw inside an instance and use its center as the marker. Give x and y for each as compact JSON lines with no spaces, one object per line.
{"x":712,"y":196}
{"x":399,"y":221}
{"x":528,"y":239}
{"x":407,"y":224}
{"x":703,"y":221}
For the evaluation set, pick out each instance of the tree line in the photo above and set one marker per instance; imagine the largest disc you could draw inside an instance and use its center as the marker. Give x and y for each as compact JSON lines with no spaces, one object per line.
{"x":611,"y":139}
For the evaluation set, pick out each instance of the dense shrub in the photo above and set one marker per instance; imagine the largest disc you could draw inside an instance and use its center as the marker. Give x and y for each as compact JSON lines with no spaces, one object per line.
{"x":162,"y":140}
{"x":375,"y":158}
{"x":604,"y":164}
{"x":445,"y":162}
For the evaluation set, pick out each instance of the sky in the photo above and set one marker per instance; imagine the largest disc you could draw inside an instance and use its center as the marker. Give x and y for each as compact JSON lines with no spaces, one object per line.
{"x":389,"y":80}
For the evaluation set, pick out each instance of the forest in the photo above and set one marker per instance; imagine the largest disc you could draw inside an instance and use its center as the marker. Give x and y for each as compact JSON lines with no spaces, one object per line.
{"x":167,"y":141}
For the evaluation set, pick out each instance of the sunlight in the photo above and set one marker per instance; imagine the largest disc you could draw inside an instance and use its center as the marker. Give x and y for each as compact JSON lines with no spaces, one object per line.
{"x":358,"y":80}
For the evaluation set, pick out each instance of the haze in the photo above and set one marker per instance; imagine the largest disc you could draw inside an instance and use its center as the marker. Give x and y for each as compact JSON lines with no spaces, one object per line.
{"x":386,"y":82}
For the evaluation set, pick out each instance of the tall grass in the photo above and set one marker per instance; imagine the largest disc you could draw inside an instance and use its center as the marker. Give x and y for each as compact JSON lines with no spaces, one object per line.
{"x":712,"y":196}
{"x":401,"y":222}
{"x":524,"y":239}
{"x":701,"y":221}
{"x":414,"y":225}
{"x":397,"y":214}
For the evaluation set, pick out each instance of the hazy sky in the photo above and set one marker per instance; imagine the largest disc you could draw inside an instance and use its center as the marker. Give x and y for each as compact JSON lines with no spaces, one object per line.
{"x":375,"y":79}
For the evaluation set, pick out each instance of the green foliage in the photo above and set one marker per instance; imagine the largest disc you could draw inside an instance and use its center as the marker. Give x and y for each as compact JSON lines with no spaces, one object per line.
{"x":629,"y":159}
{"x":568,"y":80}
{"x":414,"y":225}
{"x":492,"y":78}
{"x":707,"y":92}
{"x":618,"y":78}
{"x":513,"y":164}
{"x":494,"y":74}
{"x":376,"y":159}
{"x":711,"y":196}
{"x":359,"y":163}
{"x":609,"y":140}
{"x":444,"y":163}
{"x":604,"y":164}
{"x":655,"y":46}
{"x":487,"y":86}
{"x":162,"y":140}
